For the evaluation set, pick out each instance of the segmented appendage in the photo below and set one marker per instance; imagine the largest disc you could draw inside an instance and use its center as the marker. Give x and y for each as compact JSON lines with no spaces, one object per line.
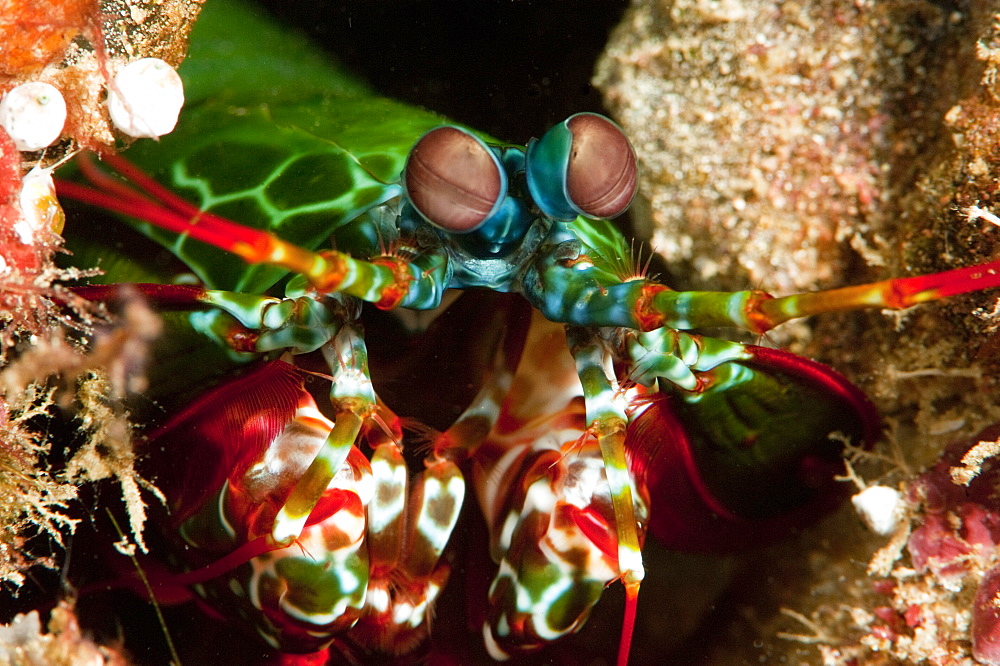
{"x":541,"y":480}
{"x":552,"y":530}
{"x":410,"y":523}
{"x":229,"y":463}
{"x":724,"y":478}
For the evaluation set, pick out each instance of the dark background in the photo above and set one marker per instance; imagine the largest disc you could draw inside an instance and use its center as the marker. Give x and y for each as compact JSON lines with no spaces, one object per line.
{"x":511,"y":68}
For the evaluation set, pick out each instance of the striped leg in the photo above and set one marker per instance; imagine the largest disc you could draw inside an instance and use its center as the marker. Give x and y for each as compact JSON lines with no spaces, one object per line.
{"x":227,"y":463}
{"x":354,"y":399}
{"x":387,"y":281}
{"x":570,"y":282}
{"x":543,"y":483}
{"x":411,"y":520}
{"x":410,"y":524}
{"x":607,"y":421}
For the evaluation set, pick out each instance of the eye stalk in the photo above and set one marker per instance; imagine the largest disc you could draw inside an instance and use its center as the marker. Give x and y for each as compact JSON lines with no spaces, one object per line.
{"x":583,"y":166}
{"x":454,"y":180}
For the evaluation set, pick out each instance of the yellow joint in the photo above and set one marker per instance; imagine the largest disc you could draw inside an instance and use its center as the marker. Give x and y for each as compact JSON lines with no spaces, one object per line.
{"x":633,"y":572}
{"x":286,"y":529}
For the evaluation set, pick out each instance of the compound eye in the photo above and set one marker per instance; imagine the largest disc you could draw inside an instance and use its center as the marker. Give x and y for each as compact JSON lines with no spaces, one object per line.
{"x":601,"y":176}
{"x":583,"y":166}
{"x":454,"y":180}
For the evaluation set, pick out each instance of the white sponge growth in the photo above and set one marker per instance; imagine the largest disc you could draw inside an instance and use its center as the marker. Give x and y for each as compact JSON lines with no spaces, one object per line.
{"x":880,"y":507}
{"x":146,"y":98}
{"x":33,"y":115}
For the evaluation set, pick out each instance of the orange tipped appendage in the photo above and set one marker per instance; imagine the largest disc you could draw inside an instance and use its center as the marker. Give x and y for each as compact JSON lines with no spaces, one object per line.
{"x":895,"y":294}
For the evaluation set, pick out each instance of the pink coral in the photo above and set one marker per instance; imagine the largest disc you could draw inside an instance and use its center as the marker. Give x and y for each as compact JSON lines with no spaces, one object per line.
{"x":986,"y":619}
{"x":961,"y":523}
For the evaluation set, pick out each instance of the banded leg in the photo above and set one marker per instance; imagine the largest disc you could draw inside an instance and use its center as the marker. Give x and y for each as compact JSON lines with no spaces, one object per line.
{"x":607,"y":421}
{"x":541,"y":482}
{"x":244,"y":323}
{"x":387,"y":281}
{"x":409,"y":526}
{"x":411,"y":523}
{"x":678,"y":357}
{"x":569,"y":285}
{"x":354,"y":399}
{"x":227,"y":463}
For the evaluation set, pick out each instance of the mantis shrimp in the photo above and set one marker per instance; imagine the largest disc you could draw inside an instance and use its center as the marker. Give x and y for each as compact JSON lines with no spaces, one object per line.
{"x":595,"y":414}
